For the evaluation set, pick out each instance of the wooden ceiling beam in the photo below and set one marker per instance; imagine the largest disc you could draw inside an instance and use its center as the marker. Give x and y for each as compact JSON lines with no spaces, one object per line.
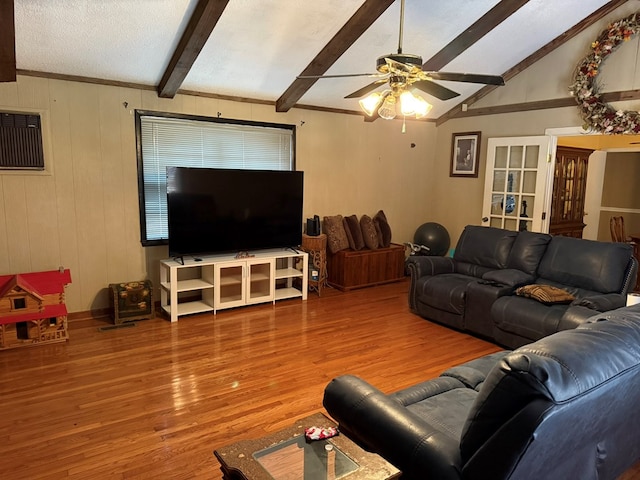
{"x":349,"y":33}
{"x":534,"y":57}
{"x":201,"y":24}
{"x":7,"y":42}
{"x":490,"y":20}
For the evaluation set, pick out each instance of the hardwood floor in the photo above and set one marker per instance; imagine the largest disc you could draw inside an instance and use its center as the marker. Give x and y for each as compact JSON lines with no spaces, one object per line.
{"x":154,"y":400}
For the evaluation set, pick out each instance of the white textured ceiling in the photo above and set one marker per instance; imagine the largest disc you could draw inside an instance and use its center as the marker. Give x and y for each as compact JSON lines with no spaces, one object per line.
{"x":259,"y":46}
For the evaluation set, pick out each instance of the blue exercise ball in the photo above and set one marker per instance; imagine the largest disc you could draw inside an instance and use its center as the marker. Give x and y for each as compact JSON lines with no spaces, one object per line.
{"x":434,"y":236}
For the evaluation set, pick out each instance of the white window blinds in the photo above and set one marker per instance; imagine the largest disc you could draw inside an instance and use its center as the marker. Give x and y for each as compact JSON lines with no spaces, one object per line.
{"x":167,"y":141}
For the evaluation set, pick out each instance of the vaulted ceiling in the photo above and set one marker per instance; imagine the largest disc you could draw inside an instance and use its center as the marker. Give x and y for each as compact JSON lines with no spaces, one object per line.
{"x":256,"y":49}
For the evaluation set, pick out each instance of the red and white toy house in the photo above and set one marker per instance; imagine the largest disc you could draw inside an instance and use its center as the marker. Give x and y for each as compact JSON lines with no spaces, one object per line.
{"x":32,"y":308}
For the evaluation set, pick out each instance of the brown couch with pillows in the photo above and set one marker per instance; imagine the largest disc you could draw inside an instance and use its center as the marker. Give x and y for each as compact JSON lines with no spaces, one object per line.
{"x":360,"y":252}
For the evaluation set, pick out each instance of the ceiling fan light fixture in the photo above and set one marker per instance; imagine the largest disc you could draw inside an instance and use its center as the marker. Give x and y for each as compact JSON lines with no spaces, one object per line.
{"x":408,"y":103}
{"x":388,"y":108}
{"x":411,"y":104}
{"x":371,"y":102}
{"x":422,"y":107}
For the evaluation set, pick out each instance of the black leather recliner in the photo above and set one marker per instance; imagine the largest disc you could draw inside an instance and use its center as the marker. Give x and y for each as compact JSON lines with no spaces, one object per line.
{"x":562,"y":407}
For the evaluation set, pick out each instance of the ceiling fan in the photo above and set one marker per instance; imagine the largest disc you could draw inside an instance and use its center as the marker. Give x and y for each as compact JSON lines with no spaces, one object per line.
{"x":403,"y":73}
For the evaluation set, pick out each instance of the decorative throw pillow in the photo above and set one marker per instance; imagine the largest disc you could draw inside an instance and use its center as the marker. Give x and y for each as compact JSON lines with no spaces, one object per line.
{"x":354,"y":232}
{"x":369,"y":233}
{"x":545,"y":294}
{"x":383,"y":229}
{"x":348,"y":232}
{"x":336,"y":236}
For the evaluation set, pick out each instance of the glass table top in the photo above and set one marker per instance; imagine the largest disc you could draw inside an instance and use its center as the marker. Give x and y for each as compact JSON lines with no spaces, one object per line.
{"x":297,"y":459}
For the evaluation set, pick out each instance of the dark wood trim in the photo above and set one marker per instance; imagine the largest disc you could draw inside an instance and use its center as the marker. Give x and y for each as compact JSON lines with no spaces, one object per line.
{"x":81,"y":79}
{"x":7,"y":42}
{"x":560,"y":40}
{"x":97,"y":314}
{"x":516,"y":107}
{"x":546,"y":104}
{"x":473,"y":33}
{"x":620,"y":96}
{"x":519,"y":107}
{"x":201,"y":24}
{"x":349,"y":33}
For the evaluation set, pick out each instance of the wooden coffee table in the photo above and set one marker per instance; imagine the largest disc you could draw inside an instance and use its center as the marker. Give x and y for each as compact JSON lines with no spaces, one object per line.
{"x":284,"y":455}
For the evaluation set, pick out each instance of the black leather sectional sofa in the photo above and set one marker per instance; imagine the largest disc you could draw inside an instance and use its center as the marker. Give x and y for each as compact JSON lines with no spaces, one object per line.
{"x":476,"y":290}
{"x":563,"y":407}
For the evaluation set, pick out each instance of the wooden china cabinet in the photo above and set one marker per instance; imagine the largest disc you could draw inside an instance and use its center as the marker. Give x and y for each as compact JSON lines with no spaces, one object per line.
{"x":569,"y":188}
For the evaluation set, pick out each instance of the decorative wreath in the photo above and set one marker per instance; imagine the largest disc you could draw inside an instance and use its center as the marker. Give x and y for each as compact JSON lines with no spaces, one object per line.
{"x":599,"y":115}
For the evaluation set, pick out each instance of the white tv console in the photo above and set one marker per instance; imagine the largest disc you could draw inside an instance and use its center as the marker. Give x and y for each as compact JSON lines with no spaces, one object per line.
{"x":215,"y":282}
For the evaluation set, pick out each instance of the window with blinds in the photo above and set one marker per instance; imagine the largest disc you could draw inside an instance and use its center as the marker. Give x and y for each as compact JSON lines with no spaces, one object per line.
{"x":165,"y":140}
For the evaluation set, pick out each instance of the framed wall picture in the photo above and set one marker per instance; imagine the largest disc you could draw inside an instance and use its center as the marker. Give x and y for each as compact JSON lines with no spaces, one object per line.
{"x":465,"y":148}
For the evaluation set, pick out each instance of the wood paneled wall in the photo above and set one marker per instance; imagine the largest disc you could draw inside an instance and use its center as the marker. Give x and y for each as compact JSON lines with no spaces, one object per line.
{"x":83,"y":212}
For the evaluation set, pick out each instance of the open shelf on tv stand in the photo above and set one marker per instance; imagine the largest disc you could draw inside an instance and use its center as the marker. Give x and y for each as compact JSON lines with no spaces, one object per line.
{"x":215,"y":282}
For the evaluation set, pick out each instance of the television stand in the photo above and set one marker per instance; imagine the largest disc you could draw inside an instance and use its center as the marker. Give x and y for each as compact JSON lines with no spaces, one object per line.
{"x":217,"y":282}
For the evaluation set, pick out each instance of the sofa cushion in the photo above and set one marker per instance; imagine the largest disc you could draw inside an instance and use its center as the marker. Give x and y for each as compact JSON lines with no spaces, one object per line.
{"x":336,"y":236}
{"x":527,"y":251}
{"x":509,"y":277}
{"x":447,"y":411}
{"x":586,"y":264}
{"x":525,"y":317}
{"x":369,"y":232}
{"x":382,"y":228}
{"x":471,"y":269}
{"x":547,"y":294}
{"x":484,"y":246}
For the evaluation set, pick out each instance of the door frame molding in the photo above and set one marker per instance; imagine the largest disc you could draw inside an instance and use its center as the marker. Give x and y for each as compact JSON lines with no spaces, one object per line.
{"x":593,"y":196}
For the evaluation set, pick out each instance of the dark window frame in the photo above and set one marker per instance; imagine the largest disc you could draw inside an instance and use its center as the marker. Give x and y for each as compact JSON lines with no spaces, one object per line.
{"x":140,"y":161}
{"x":19,"y":303}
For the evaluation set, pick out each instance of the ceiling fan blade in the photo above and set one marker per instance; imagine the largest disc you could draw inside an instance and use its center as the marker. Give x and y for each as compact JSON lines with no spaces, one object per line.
{"x":366,"y":89}
{"x":432,"y":88}
{"x":467,"y":77}
{"x":346,"y":75}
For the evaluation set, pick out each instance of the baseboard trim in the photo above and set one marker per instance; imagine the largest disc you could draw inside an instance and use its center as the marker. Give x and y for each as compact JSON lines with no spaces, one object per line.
{"x":97,"y":314}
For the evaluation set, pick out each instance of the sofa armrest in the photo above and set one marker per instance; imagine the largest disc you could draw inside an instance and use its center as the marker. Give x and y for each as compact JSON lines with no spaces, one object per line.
{"x":584,"y":308}
{"x":422,"y":265}
{"x":603,"y":302}
{"x":383,"y":425}
{"x":419,"y":266}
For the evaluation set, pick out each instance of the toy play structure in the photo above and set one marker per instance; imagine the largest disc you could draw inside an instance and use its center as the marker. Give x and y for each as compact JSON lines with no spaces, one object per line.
{"x":32,"y":308}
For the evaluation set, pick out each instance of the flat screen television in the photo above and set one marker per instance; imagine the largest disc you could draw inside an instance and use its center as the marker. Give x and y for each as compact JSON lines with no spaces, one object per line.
{"x":215,"y":210}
